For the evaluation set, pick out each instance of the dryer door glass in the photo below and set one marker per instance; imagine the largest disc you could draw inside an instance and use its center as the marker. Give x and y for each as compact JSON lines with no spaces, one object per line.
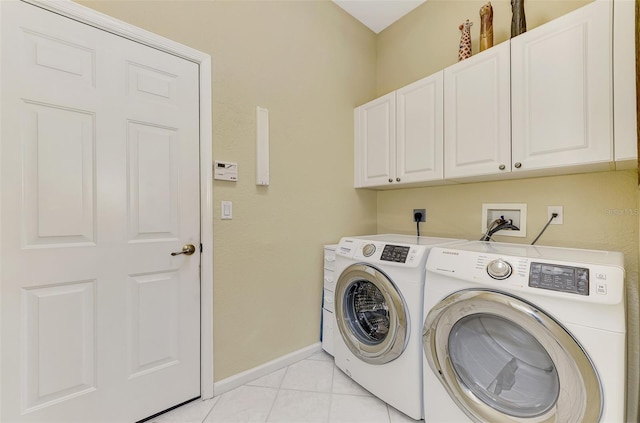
{"x":503,"y":365}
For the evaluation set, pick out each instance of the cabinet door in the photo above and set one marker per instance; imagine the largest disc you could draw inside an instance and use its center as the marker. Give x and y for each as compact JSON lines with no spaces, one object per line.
{"x":375,"y":142}
{"x":624,"y":85}
{"x":561,"y":91}
{"x":477,"y":127}
{"x":419,"y":134}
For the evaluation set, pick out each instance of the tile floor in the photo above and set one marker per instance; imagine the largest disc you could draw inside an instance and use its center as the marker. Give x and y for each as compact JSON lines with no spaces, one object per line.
{"x":312,"y":390}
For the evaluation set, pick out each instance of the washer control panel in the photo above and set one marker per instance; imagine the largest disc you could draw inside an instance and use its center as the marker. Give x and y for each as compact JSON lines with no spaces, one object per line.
{"x":574,"y":280}
{"x":395,"y":253}
{"x":372,"y":251}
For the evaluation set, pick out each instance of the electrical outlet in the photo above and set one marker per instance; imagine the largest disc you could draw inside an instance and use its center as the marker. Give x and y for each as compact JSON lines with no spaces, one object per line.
{"x":559,"y":220}
{"x":516,"y":212}
{"x":424,"y":215}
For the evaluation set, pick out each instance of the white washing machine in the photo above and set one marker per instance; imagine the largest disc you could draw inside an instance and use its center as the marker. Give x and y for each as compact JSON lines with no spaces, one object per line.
{"x":521,"y":333}
{"x":378,"y":315}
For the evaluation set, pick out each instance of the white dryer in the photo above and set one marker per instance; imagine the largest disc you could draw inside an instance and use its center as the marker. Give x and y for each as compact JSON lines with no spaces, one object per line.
{"x":378,"y":313}
{"x":520,"y":333}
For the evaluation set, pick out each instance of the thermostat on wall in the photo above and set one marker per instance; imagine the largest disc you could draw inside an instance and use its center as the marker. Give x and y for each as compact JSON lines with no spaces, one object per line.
{"x":225,"y":171}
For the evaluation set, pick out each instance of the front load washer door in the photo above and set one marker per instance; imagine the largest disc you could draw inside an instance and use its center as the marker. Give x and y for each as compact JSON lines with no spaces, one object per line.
{"x":503,"y":359}
{"x":371,"y":315}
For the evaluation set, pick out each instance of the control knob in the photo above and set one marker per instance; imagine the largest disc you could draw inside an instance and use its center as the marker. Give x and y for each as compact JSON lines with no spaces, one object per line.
{"x":499,"y":269}
{"x":368,"y":250}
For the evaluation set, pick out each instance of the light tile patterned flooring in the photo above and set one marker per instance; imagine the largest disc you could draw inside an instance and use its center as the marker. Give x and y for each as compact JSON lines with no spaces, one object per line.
{"x":311,"y":390}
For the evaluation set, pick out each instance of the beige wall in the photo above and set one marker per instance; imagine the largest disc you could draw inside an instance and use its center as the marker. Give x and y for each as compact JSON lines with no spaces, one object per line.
{"x":310,"y":64}
{"x":600,"y":209}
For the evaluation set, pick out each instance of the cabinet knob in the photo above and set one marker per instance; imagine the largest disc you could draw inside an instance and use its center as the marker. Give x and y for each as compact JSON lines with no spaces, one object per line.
{"x":518,"y":165}
{"x":397,"y":179}
{"x":390,"y":180}
{"x":501,"y":167}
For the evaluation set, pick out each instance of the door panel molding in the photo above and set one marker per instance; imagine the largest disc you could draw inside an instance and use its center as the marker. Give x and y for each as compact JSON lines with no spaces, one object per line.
{"x":106,"y":23}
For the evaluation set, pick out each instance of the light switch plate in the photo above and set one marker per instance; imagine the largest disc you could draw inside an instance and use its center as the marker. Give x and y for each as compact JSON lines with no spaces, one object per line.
{"x":226,"y":210}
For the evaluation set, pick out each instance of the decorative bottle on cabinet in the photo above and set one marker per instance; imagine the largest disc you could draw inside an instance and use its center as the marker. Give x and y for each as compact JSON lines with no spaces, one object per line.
{"x":518,"y":21}
{"x":464,"y":51}
{"x":486,"y":26}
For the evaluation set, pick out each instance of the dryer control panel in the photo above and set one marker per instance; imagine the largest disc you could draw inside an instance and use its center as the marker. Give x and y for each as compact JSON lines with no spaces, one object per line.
{"x":555,"y":277}
{"x":546,"y":271}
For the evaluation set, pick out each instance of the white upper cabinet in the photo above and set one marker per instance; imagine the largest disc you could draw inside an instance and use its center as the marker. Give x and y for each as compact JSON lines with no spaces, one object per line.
{"x":375,"y":142}
{"x":477,"y":138}
{"x":419,"y":131}
{"x":557,"y":99}
{"x":561,"y":92}
{"x":399,"y":136}
{"x":624,"y":79}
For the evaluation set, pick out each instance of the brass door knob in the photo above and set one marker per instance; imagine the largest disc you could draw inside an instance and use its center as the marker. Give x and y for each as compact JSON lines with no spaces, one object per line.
{"x":187,"y":250}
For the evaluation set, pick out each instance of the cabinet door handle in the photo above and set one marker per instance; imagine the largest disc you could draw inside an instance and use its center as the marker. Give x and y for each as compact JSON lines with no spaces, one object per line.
{"x":390,"y":180}
{"x":501,"y":167}
{"x":518,"y":165}
{"x":398,"y":179}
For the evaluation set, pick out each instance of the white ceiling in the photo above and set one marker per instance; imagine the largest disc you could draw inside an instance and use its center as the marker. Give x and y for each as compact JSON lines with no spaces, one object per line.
{"x":378,"y":14}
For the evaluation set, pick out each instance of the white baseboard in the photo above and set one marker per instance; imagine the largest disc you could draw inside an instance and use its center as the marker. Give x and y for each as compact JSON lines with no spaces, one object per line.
{"x":247,"y":376}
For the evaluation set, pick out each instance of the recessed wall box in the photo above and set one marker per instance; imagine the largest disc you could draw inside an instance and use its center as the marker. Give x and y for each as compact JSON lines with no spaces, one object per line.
{"x":225,"y":171}
{"x":516,"y":212}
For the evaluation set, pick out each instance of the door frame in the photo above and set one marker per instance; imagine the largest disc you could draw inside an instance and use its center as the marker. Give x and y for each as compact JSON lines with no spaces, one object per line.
{"x":106,"y":23}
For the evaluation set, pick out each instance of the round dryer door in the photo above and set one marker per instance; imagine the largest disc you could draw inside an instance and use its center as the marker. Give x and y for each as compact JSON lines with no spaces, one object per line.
{"x":502,"y":359}
{"x":370,"y":314}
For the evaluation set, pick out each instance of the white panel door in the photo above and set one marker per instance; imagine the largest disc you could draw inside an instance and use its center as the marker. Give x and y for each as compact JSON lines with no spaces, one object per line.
{"x":419,"y":134}
{"x":375,"y":145}
{"x":477,"y":127}
{"x":100,"y":183}
{"x":561,"y":91}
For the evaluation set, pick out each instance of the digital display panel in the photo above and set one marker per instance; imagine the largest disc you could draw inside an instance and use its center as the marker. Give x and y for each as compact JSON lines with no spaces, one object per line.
{"x":574,"y":280}
{"x":395,"y":253}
